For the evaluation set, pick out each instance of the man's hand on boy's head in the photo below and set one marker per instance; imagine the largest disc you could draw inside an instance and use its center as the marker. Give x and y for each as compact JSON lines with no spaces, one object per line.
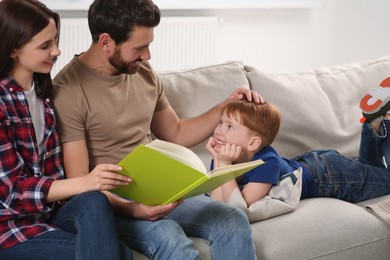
{"x":244,"y":93}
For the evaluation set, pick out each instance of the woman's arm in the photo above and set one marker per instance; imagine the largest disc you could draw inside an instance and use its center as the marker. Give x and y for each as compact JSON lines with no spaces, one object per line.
{"x":76,"y":166}
{"x":103,"y":177}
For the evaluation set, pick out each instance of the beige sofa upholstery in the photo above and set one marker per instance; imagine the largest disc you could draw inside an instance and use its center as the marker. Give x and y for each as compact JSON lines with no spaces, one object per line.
{"x":319,"y":111}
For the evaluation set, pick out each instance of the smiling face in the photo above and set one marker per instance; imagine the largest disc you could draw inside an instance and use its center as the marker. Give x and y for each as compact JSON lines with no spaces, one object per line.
{"x":231,"y":130}
{"x":127,"y":56}
{"x":38,"y":55}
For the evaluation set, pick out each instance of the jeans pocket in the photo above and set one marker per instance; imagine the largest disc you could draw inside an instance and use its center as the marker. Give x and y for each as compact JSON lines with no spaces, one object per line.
{"x":340,"y":169}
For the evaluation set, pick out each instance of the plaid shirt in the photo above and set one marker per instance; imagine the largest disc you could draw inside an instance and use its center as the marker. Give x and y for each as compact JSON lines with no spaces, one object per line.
{"x":25,"y":180}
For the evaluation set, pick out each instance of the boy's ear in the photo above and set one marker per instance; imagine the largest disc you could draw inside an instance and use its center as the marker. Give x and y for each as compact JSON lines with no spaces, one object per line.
{"x":254,"y":143}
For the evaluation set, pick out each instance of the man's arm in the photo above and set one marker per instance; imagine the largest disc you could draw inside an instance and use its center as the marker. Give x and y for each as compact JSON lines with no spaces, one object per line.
{"x":166,"y":125}
{"x":77,"y":165}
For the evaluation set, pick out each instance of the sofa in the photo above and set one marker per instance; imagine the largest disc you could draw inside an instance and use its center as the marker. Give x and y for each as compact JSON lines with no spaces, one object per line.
{"x":320,"y":110}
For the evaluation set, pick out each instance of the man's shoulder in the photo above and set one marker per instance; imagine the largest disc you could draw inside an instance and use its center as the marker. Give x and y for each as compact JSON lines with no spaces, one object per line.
{"x":68,"y":74}
{"x":66,"y":85}
{"x":146,"y":70}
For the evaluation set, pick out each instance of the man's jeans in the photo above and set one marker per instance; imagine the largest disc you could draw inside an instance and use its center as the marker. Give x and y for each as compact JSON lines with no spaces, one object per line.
{"x":353,"y":180}
{"x":87,"y":232}
{"x":226,"y":229}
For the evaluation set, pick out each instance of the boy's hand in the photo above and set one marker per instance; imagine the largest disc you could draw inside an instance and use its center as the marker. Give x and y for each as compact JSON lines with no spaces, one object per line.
{"x":210,"y":147}
{"x":226,"y":155}
{"x":229,"y":153}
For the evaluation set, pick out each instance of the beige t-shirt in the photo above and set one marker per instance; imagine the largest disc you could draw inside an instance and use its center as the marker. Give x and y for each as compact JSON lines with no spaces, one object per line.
{"x":112,"y":113}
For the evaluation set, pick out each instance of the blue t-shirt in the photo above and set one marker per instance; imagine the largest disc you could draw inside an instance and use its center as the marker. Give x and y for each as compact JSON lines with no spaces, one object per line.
{"x":274,"y":167}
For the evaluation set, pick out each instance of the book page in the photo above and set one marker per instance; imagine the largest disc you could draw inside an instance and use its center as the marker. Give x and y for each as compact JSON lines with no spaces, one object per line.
{"x":234,"y":167}
{"x":179,"y":153}
{"x":223,"y":175}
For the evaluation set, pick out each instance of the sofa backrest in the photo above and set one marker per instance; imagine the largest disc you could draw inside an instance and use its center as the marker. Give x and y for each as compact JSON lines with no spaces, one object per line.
{"x":320,"y":107}
{"x":192,"y":92}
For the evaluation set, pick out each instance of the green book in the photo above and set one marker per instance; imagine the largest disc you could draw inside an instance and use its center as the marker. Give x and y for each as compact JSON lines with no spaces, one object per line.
{"x":164,"y":172}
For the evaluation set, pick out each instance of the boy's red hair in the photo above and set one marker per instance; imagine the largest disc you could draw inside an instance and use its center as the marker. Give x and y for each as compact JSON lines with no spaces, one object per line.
{"x":264,"y":119}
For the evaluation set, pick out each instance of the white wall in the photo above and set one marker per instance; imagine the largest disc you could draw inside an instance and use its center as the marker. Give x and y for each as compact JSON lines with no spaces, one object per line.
{"x":340,"y":31}
{"x":278,"y":40}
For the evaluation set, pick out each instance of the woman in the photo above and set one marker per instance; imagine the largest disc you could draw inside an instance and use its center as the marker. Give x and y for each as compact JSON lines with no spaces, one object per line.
{"x":32,"y":224}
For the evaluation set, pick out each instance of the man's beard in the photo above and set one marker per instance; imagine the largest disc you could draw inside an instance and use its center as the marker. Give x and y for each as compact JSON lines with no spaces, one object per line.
{"x":122,"y":66}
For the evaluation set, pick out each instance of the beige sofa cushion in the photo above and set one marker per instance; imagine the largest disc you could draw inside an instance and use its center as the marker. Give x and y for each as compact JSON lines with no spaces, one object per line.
{"x":192,"y":92}
{"x":283,"y":198}
{"x":322,"y":228}
{"x":320,"y":107}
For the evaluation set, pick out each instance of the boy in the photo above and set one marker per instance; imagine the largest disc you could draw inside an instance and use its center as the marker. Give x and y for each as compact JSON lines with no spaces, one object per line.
{"x":247,"y":130}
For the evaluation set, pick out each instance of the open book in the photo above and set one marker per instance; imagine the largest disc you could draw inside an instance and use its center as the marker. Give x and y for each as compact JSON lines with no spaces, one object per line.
{"x":164,"y":172}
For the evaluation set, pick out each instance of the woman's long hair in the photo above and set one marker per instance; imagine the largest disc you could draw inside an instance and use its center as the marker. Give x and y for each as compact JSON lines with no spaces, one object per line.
{"x":20,"y":20}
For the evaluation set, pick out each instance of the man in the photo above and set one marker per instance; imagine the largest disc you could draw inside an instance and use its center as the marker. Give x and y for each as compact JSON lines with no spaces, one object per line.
{"x":109,"y":100}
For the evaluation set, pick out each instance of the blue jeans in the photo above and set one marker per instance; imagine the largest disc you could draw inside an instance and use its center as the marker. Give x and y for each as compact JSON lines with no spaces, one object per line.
{"x":226,"y":229}
{"x":87,"y":231}
{"x":350,"y":179}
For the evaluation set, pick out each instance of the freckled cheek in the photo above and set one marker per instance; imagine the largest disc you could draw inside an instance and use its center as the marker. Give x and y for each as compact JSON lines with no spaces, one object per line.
{"x":235,"y":139}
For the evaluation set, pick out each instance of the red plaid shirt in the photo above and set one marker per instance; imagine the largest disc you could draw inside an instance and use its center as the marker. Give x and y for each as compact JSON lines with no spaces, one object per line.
{"x":24,"y":179}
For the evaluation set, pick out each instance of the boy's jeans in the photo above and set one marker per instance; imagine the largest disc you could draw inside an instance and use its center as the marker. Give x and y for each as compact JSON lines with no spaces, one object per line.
{"x":353,"y":180}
